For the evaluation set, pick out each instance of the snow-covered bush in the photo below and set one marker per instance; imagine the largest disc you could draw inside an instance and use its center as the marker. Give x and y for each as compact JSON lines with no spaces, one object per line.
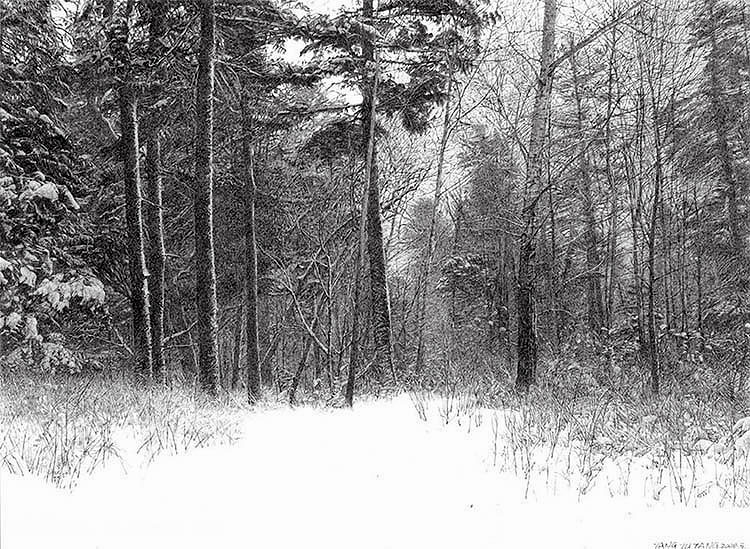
{"x":43,"y":233}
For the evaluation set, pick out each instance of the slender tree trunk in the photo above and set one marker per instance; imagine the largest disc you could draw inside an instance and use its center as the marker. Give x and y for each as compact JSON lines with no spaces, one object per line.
{"x":380,"y":301}
{"x":139,"y":298}
{"x":251,"y":267}
{"x":594,"y":296}
{"x":303,"y":359}
{"x":699,"y":264}
{"x":635,"y":192}
{"x":682,"y":267}
{"x":433,"y":220}
{"x":502,"y":298}
{"x":237,"y":349}
{"x":613,"y":187}
{"x":527,"y":346}
{"x":204,"y":234}
{"x":652,"y":334}
{"x":558,"y":315}
{"x":362,"y":247}
{"x":157,"y":251}
{"x":156,"y":259}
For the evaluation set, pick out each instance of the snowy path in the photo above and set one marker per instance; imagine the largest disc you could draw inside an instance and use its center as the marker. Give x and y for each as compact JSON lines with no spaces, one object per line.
{"x":377,"y":477}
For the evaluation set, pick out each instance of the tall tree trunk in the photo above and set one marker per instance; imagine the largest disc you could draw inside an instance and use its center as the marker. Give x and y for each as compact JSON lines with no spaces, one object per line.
{"x":205,"y":291}
{"x":380,"y":301}
{"x":362,"y":247}
{"x":156,"y":259}
{"x":156,"y":250}
{"x":527,"y":346}
{"x":613,"y":188}
{"x":594,"y":296}
{"x":251,"y":265}
{"x":653,"y":342}
{"x":430,"y":252}
{"x":139,"y":298}
{"x":555,"y":303}
{"x":634,"y":174}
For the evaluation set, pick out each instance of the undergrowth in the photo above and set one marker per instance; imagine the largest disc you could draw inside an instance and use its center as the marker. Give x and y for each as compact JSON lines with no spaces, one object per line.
{"x":63,"y":427}
{"x":681,"y":447}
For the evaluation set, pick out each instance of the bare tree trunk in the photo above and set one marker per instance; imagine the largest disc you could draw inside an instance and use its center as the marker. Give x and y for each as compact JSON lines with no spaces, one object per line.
{"x":303,"y":359}
{"x":139,"y":298}
{"x":594,"y":296}
{"x":653,"y":342}
{"x":156,"y":259}
{"x":699,"y":264}
{"x":613,"y":187}
{"x":635,"y":191}
{"x":502,"y":297}
{"x":237,"y":350}
{"x":251,"y":267}
{"x":157,"y":251}
{"x":380,"y":301}
{"x":430,"y":252}
{"x":359,"y":265}
{"x":557,"y":317}
{"x":204,"y":234}
{"x":433,"y":218}
{"x":527,"y":346}
{"x":189,"y":354}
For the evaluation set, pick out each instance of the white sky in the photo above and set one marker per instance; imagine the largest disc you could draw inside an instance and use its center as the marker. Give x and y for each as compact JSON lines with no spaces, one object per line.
{"x":328,"y":6}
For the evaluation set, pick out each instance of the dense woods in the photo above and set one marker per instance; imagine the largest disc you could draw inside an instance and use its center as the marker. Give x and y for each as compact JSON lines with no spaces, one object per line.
{"x":327,"y":201}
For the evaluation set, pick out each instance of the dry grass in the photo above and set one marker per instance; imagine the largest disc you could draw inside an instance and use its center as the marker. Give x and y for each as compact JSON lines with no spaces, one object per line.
{"x":62,"y":428}
{"x":677,"y":450}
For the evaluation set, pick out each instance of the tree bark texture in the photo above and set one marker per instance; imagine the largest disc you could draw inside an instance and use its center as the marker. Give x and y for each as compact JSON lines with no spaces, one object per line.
{"x":251,"y":268}
{"x":205,"y":270}
{"x":380,"y":301}
{"x":527,"y":346}
{"x":156,"y":250}
{"x":138,"y":274}
{"x":594,"y":297}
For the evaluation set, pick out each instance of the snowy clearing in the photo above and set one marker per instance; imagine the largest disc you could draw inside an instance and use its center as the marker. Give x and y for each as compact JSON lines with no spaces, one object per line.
{"x":377,"y":476}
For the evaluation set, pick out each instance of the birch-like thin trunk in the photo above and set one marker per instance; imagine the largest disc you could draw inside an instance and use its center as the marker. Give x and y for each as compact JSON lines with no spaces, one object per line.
{"x":156,"y":251}
{"x":139,"y":298}
{"x":205,"y":271}
{"x":251,"y":267}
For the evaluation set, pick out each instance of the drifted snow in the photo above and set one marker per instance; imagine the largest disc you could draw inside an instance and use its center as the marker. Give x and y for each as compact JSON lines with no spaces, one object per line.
{"x":374,"y":477}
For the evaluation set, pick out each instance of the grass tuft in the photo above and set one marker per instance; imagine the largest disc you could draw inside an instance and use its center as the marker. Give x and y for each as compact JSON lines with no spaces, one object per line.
{"x":60,"y":428}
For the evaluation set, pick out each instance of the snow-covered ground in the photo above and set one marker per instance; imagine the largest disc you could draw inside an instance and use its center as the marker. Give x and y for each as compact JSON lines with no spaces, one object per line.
{"x":378,"y":476}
